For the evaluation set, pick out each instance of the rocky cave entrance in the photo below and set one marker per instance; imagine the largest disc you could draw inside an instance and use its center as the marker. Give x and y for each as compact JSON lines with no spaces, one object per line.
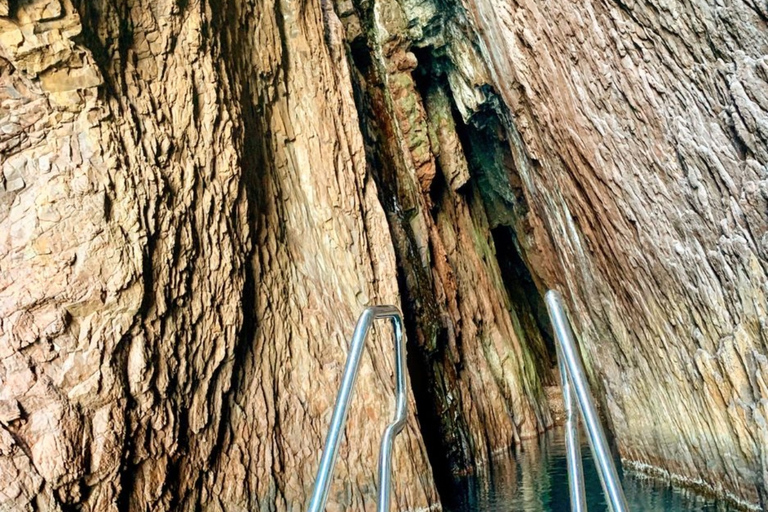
{"x":441,"y":353}
{"x":492,"y":176}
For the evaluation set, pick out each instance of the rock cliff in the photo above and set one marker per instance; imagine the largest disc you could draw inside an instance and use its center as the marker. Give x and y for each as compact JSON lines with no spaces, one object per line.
{"x":198,"y":197}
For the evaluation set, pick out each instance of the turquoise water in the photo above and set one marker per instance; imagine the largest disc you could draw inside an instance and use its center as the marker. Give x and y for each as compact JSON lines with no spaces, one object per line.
{"x":534,"y":479}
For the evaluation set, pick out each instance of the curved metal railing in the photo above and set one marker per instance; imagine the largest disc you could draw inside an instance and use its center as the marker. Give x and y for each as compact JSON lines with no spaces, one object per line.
{"x":328,"y":460}
{"x":574,"y":382}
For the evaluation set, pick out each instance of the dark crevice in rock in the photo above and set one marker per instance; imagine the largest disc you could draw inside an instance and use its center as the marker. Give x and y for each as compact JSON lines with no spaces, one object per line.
{"x":433,"y":374}
{"x":527,"y":300}
{"x":486,"y":143}
{"x":493,"y":172}
{"x":488,"y":188}
{"x":361,"y":55}
{"x":433,"y":377}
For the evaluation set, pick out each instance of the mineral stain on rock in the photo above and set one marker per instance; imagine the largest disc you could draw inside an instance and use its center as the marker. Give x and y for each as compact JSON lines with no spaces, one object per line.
{"x":198,"y":197}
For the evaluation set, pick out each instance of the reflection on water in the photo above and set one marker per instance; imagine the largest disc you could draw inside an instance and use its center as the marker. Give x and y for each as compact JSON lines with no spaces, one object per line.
{"x":535,"y":479}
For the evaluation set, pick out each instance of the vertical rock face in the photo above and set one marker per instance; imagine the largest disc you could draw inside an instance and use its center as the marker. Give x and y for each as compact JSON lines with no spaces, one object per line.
{"x":478,"y":385}
{"x":198,"y":198}
{"x":188,"y":234}
{"x":642,"y":151}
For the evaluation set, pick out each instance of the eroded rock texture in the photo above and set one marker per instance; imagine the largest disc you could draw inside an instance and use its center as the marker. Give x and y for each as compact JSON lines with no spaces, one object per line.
{"x":188,"y":234}
{"x":199,"y":197}
{"x":620,"y":151}
{"x":478,"y":382}
{"x":643,"y":153}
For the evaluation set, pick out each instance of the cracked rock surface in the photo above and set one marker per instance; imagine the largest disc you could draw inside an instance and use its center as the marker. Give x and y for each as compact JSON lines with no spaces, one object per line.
{"x":199,"y":197}
{"x":188,"y":234}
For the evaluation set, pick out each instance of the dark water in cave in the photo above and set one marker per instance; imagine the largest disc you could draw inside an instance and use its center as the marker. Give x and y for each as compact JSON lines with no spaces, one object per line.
{"x":534,"y":479}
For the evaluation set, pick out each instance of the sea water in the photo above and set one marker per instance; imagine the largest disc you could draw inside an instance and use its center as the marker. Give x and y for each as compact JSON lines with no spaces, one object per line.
{"x":535,"y":479}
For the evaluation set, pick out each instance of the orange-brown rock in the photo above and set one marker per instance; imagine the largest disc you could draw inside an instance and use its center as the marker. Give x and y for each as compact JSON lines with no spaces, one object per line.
{"x":644,"y":160}
{"x":198,"y":197}
{"x":188,"y":233}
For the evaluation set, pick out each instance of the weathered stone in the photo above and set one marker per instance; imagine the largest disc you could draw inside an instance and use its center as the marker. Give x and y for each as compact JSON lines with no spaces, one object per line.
{"x":446,"y":143}
{"x":31,"y":11}
{"x":10,"y":37}
{"x":200,"y":197}
{"x":9,"y":411}
{"x":633,"y":213}
{"x":69,"y":79}
{"x":88,"y":302}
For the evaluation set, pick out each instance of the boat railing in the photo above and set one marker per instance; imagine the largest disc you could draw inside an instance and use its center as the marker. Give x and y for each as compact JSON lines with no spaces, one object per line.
{"x":328,"y":459}
{"x":576,"y":394}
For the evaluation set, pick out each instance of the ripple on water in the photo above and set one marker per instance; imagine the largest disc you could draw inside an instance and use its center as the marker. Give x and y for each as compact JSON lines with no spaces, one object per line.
{"x":535,"y":479}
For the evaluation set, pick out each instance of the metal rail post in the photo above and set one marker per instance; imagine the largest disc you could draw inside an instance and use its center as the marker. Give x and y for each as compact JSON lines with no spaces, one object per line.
{"x":575,"y":379}
{"x":328,"y":459}
{"x":572,"y":445}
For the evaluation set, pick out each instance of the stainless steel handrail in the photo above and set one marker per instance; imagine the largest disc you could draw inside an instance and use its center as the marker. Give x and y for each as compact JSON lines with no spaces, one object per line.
{"x":328,"y":459}
{"x":574,"y":381}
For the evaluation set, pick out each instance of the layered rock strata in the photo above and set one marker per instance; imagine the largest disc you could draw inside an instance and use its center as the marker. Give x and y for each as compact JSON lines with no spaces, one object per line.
{"x":198,"y":198}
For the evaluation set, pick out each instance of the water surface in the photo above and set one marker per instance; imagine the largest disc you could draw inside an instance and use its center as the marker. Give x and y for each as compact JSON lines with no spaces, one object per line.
{"x":535,"y":479}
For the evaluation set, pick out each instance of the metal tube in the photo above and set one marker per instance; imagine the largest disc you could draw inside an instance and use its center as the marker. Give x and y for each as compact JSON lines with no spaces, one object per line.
{"x":572,"y":445}
{"x":328,"y":459}
{"x":394,"y":428}
{"x":609,"y":477}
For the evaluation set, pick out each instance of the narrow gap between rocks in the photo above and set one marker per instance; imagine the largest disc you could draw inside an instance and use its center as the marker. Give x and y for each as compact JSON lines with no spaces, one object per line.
{"x":492,"y":172}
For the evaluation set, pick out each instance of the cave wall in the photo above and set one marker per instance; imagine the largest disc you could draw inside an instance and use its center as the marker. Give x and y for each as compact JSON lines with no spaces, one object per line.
{"x":619,"y":151}
{"x":479,"y":384}
{"x":642,"y":150}
{"x":188,"y":235}
{"x":237,"y":227}
{"x":198,"y":198}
